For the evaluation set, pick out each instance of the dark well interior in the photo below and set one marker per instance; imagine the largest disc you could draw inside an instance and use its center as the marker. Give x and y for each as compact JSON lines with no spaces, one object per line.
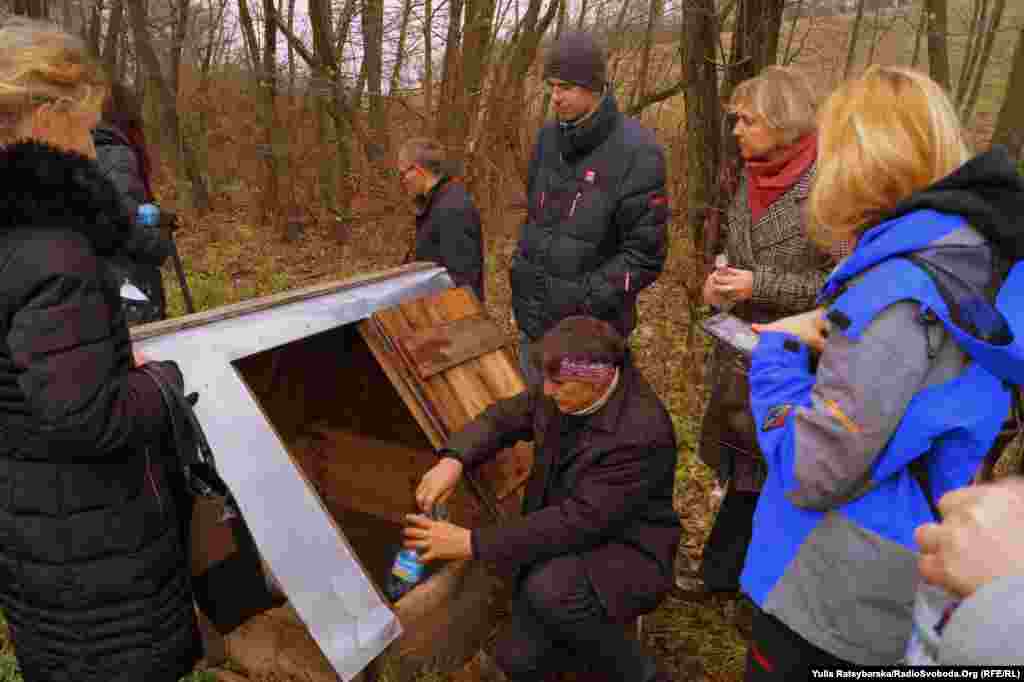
{"x":346,"y":427}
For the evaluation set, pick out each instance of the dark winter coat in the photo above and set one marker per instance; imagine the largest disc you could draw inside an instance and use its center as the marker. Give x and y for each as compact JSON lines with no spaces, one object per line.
{"x":146,"y":248}
{"x":607,"y":498}
{"x":448,"y":233}
{"x":93,"y":576}
{"x":789,"y":271}
{"x":595,"y":232}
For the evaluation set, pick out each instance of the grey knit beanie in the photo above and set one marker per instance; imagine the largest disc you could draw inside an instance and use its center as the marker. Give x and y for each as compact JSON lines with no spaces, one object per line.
{"x":577,"y":58}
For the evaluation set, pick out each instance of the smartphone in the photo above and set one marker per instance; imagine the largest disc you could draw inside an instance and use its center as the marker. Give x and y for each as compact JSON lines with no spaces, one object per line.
{"x":731,"y":330}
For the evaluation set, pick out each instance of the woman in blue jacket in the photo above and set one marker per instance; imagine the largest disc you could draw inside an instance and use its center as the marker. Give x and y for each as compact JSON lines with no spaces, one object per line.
{"x":891,"y":392}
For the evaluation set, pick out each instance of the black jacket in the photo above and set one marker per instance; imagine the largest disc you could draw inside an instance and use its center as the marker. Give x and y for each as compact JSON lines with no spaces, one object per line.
{"x":94,"y":579}
{"x":595,"y":231}
{"x":146,"y":248}
{"x":448,"y":233}
{"x":605,"y":496}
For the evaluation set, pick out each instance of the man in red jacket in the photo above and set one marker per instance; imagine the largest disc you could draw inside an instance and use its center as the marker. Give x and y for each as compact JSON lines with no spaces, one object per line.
{"x":595,"y":545}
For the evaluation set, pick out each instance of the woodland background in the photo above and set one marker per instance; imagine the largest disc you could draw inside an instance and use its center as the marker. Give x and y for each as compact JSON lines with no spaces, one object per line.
{"x":274,"y":125}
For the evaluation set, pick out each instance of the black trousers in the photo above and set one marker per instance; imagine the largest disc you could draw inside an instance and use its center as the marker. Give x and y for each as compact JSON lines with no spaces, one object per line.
{"x":778,"y":654}
{"x":559,"y":625}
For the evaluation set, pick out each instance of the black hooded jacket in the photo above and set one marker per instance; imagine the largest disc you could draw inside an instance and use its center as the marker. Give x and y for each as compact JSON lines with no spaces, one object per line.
{"x":989,"y":193}
{"x":595,"y":231}
{"x":145,"y":248}
{"x":94,"y":580}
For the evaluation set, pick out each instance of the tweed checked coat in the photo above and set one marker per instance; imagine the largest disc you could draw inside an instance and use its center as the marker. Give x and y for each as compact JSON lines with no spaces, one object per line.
{"x":788,"y":272}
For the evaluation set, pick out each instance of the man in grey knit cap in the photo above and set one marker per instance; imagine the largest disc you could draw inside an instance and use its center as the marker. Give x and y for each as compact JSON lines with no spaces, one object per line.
{"x":595,"y":231}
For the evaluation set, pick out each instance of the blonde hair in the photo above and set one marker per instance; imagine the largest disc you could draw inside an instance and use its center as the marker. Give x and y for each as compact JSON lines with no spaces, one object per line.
{"x":43,"y":66}
{"x":883,"y":136}
{"x":782,"y":97}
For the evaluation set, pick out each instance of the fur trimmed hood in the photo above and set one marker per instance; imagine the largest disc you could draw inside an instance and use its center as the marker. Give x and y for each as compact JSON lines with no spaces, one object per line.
{"x":45,"y":187}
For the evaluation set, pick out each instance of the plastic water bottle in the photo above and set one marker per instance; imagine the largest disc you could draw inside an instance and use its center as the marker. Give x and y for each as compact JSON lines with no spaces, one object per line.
{"x":407,"y":571}
{"x":148,"y":215}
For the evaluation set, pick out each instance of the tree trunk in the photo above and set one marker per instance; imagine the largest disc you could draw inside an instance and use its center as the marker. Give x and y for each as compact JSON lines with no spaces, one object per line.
{"x":1010,"y":122}
{"x":145,"y":54}
{"x":851,"y":49}
{"x":756,"y":39}
{"x":476,"y":57}
{"x":428,"y":57}
{"x":403,"y":33}
{"x":938,"y":42}
{"x":275,"y":208}
{"x":113,"y":37}
{"x":697,"y":44}
{"x":967,"y":112}
{"x":449,"y":121}
{"x":36,"y":9}
{"x":373,"y":63}
{"x":95,"y":29}
{"x":640,"y":83}
{"x":582,"y":16}
{"x":181,"y":20}
{"x":291,"y":49}
{"x":922,"y":24}
{"x":511,"y":94}
{"x":971,"y":52}
{"x":252,"y":46}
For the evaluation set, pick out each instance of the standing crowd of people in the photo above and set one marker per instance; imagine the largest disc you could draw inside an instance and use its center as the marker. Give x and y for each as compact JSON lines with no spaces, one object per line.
{"x":874,"y":257}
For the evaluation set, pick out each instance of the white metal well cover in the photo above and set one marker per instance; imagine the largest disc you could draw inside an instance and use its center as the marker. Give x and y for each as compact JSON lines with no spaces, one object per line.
{"x":314,"y":565}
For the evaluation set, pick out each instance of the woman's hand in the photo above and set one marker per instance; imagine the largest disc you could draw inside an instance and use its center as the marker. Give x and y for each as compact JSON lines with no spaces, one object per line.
{"x":810,"y":327}
{"x":139,"y":358}
{"x":733,"y":284}
{"x":712,"y":294}
{"x":979,"y":539}
{"x":436,"y":540}
{"x":438,"y":484}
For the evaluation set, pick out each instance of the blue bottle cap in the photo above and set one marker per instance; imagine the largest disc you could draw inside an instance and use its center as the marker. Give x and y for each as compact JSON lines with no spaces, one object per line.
{"x":149,"y":215}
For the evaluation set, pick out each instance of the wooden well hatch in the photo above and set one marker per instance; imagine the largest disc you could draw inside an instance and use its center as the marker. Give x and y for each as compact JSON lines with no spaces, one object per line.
{"x":324,"y":407}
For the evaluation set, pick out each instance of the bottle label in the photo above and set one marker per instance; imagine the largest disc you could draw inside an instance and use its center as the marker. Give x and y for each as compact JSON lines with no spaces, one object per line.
{"x":407,"y":567}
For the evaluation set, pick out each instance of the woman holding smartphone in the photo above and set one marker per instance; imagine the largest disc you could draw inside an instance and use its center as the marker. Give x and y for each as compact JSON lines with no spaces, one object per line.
{"x":769,"y":269}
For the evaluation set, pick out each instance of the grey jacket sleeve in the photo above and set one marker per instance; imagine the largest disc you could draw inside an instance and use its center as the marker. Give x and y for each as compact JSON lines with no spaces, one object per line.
{"x":985,"y":629}
{"x":861,"y":392}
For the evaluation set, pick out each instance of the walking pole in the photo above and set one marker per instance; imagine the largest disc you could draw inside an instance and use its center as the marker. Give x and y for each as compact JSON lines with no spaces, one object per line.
{"x":172,"y":226}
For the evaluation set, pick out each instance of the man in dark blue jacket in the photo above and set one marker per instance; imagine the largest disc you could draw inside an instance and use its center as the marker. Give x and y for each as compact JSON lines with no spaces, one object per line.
{"x":448,"y":228}
{"x":595,"y":232}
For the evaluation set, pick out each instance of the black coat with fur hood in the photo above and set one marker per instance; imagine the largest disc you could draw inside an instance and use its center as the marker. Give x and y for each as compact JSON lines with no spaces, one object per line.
{"x":93,"y":577}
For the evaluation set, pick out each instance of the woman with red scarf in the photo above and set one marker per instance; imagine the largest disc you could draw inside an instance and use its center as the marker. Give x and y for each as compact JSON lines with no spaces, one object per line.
{"x":768,"y":269}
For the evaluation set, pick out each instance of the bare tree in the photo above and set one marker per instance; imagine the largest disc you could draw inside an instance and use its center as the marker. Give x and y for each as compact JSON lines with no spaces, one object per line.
{"x":168,"y":104}
{"x":697,"y":46}
{"x":938,"y":42}
{"x":1010,"y":122}
{"x":373,"y":66}
{"x":851,"y":49}
{"x":36,"y":9}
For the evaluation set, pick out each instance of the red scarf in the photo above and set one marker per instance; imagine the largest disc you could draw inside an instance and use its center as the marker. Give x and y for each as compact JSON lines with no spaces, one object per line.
{"x":769,"y":180}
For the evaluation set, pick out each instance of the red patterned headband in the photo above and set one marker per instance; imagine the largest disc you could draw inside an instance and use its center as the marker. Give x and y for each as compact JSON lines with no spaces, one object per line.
{"x":589,"y":372}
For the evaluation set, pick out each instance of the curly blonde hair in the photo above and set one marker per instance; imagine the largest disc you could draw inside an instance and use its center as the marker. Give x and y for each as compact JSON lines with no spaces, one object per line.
{"x":42,"y":65}
{"x":882,"y":137}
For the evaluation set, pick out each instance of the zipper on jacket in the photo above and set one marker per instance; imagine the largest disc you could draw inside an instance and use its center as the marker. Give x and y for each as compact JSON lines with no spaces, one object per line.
{"x":542,"y":196}
{"x":152,"y":482}
{"x":572,"y":209}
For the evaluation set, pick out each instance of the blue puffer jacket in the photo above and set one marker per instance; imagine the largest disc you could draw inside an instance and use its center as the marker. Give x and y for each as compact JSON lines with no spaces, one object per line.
{"x":918,"y":365}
